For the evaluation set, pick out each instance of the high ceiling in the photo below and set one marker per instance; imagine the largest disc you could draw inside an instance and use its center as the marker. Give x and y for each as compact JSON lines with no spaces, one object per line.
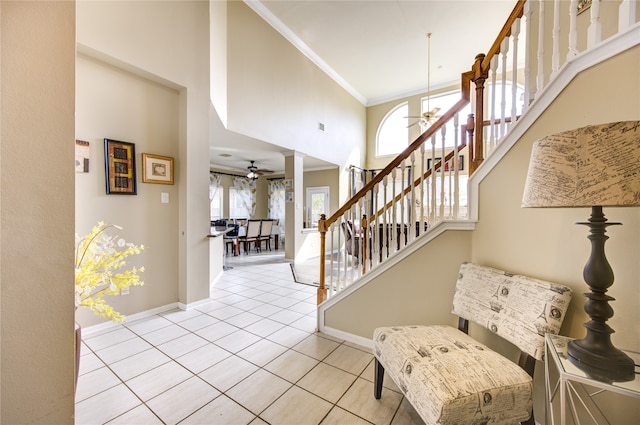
{"x":376,"y":49}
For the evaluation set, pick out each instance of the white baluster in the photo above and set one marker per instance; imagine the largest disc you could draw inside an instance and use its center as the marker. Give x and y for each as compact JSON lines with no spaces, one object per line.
{"x":555,"y":56}
{"x":573,"y":30}
{"x":504,"y":49}
{"x":375,"y":233}
{"x":385,"y":238}
{"x":626,"y":14}
{"x":540,"y":75}
{"x":456,"y":168}
{"x":493,"y":126}
{"x":332,"y":267}
{"x":432,"y":211}
{"x":594,"y":34}
{"x":528,"y":87}
{"x":443,"y":132}
{"x":412,"y":211}
{"x":515,"y":33}
{"x":394,"y":216}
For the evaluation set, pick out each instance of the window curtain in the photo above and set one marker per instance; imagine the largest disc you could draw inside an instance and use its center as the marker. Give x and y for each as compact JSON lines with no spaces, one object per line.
{"x":276,"y":201}
{"x":247,"y":191}
{"x":214,"y":189}
{"x":214,"y":185}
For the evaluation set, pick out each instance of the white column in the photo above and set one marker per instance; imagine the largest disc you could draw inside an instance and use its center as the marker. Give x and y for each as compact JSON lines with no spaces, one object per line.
{"x":294,"y":219}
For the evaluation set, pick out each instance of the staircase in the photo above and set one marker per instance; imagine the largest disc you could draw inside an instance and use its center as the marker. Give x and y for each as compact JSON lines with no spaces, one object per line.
{"x":418,"y":195}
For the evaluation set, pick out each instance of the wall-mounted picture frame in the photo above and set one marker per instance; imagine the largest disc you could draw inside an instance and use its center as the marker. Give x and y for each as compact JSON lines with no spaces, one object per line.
{"x":82,"y":156}
{"x":288,"y":184}
{"x":120,"y":167}
{"x":157,"y":169}
{"x":583,"y":5}
{"x":449,"y":164}
{"x":288,"y":196}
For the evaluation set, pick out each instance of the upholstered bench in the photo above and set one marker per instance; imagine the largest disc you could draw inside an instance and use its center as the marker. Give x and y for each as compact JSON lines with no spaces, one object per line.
{"x":450,"y":378}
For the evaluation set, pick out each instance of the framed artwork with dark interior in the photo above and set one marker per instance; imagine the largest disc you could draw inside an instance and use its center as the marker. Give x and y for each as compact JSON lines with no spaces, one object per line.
{"x":448,"y":166}
{"x":157,"y":169}
{"x":120,"y":167}
{"x":82,"y":156}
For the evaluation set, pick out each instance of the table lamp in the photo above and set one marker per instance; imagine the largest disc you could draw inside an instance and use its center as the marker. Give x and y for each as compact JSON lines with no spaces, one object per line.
{"x":595,"y":166}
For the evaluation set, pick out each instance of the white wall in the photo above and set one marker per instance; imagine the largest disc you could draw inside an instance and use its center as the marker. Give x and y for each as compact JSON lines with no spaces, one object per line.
{"x":37,"y":57}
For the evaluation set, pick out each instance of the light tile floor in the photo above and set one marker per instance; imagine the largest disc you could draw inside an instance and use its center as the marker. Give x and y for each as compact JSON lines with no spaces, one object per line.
{"x":250,"y":355}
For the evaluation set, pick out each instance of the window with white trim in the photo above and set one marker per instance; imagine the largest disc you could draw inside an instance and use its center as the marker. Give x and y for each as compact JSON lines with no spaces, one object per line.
{"x":317,"y":204}
{"x":238,"y":207}
{"x":393,"y":134}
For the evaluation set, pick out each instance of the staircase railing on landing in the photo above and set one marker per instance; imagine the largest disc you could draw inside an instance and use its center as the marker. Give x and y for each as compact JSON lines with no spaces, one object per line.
{"x":426,"y":183}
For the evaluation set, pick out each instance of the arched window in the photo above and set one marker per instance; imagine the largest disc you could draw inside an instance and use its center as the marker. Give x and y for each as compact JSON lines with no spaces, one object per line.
{"x":508,"y":98}
{"x":446,"y":102}
{"x":393,"y":134}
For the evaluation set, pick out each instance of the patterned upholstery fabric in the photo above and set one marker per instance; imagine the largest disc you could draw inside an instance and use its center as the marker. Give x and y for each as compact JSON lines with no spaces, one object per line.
{"x":449,"y":377}
{"x":519,"y":308}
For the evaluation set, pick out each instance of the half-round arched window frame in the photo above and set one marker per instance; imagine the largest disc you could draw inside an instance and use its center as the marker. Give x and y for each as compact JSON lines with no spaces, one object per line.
{"x":393,"y":135}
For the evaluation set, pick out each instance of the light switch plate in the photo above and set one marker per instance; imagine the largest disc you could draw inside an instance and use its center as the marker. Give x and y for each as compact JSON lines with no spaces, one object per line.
{"x":164,"y":197}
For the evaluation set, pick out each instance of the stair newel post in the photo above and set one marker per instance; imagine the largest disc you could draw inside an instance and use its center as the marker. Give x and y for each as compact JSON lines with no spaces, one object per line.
{"x":479,"y":77}
{"x":322,"y":228}
{"x":472,"y":150}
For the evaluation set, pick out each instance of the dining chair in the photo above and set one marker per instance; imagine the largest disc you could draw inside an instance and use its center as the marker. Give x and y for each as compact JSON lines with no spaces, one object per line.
{"x":265,"y":233}
{"x":252,"y":235}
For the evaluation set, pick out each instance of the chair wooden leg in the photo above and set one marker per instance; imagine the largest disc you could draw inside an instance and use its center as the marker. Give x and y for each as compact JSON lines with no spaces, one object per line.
{"x":378,"y":379}
{"x":529,"y":421}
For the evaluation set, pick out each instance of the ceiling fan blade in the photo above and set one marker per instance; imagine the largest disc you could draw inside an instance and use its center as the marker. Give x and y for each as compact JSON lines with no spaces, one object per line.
{"x":411,"y":125}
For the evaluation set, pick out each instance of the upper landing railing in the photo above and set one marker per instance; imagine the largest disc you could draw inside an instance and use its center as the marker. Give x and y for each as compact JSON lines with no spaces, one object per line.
{"x":419,"y":189}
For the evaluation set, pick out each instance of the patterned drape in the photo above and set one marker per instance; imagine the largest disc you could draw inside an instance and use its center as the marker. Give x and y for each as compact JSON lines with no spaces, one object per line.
{"x":214,"y":187}
{"x":247,"y":191}
{"x":276,"y":201}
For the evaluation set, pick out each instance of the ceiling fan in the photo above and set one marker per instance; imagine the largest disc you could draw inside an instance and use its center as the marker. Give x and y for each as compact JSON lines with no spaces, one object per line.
{"x":255,"y":172}
{"x":430,"y":116}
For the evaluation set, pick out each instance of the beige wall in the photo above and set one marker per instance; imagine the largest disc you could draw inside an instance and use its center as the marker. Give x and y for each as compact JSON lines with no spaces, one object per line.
{"x":330,"y":178}
{"x":115,"y":104}
{"x":172,"y":49}
{"x":37,"y":57}
{"x":276,"y":94}
{"x":543,"y":243}
{"x":376,"y":113}
{"x":546,"y":243}
{"x":398,"y":297}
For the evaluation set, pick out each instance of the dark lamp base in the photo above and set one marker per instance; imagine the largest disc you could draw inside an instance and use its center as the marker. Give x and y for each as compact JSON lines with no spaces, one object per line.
{"x":609,"y":365}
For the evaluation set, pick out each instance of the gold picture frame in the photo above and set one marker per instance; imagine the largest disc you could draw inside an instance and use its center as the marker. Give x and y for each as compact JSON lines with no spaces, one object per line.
{"x":157,"y":169}
{"x":120,"y":167}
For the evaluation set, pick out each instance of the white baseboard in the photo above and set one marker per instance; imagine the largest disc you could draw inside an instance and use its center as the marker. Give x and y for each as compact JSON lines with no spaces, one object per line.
{"x":349,"y":337}
{"x":108,"y":326}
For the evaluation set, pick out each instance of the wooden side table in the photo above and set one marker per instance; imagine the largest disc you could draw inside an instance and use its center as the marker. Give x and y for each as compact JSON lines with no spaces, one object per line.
{"x":573,"y":397}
